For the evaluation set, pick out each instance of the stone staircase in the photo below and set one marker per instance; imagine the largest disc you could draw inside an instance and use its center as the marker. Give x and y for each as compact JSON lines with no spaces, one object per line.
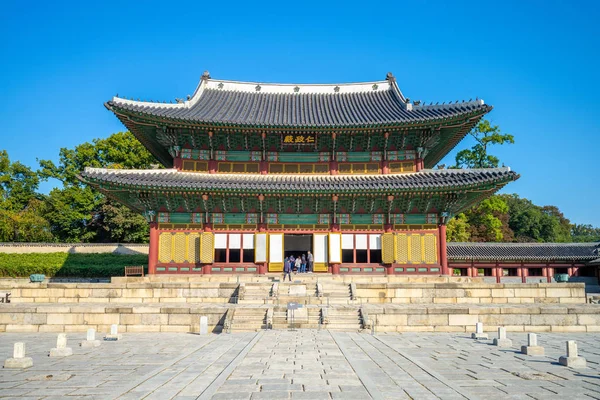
{"x":304,"y":318}
{"x":336,"y":293}
{"x":255,"y":293}
{"x":248,"y":319}
{"x":343,"y":319}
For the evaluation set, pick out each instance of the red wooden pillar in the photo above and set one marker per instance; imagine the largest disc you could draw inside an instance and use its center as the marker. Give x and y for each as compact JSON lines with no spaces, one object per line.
{"x":549,"y":273}
{"x":443,"y":250}
{"x":418,"y":164}
{"x":264,"y":167}
{"x":333,"y":168}
{"x":153,"y":248}
{"x":212,"y":167}
{"x":177,"y":163}
{"x":385,"y":167}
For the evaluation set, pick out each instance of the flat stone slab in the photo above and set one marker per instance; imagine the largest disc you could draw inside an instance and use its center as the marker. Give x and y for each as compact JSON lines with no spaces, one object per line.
{"x":310,"y":364}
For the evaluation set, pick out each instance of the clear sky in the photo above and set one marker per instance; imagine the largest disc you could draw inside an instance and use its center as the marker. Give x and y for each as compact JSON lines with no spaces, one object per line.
{"x":537,"y":62}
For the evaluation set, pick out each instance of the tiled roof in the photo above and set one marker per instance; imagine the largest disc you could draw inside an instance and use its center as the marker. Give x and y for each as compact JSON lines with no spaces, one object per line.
{"x":523,"y":251}
{"x":433,"y":180}
{"x":299,"y":105}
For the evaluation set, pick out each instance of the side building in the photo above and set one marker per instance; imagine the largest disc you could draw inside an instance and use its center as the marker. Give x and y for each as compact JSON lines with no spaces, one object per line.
{"x":255,"y":172}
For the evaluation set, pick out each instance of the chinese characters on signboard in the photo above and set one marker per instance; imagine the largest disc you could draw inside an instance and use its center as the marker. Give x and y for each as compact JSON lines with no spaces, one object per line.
{"x":299,"y":139}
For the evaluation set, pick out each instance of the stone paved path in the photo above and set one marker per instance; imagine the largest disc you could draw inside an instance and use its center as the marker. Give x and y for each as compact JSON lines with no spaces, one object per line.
{"x":300,"y":365}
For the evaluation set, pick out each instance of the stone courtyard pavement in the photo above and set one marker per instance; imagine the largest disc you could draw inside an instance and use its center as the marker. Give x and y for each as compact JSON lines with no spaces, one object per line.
{"x":304,"y":364}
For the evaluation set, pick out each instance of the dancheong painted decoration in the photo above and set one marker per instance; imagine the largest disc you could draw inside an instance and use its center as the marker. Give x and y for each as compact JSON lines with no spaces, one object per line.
{"x":258,"y":172}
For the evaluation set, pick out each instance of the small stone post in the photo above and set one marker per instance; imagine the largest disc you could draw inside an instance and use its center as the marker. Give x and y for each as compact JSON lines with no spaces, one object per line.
{"x":114,"y":333}
{"x":90,"y":339}
{"x":532,"y":348}
{"x":479,"y":332}
{"x":501,"y":340}
{"x":18,"y":359}
{"x":61,"y":349}
{"x":203,"y":325}
{"x":572,"y":359}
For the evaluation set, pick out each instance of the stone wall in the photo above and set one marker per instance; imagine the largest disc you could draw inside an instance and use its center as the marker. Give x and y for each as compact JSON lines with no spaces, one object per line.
{"x":132,"y":293}
{"x":79,"y":318}
{"x":471,"y":293}
{"x":518,"y":318}
{"x":81,"y":248}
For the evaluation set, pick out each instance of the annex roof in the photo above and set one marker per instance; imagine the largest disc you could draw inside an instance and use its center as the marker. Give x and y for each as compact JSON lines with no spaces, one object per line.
{"x":256,"y":104}
{"x":523,"y":251}
{"x":425,"y":180}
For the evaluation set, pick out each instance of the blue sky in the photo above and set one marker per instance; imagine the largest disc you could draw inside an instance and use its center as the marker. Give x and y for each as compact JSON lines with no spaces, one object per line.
{"x":535,"y":61}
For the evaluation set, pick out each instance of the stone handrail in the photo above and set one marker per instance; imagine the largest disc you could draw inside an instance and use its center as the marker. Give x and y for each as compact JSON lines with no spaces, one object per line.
{"x":269,"y":320}
{"x":353,"y":291}
{"x":319,"y":289}
{"x":275,"y":290}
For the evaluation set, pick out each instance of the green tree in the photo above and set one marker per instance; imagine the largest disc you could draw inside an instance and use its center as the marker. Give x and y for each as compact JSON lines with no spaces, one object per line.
{"x":488,"y":221}
{"x":477,"y":156}
{"x":21,"y":210}
{"x":532,"y":223}
{"x":458,"y":229}
{"x":585,"y":233}
{"x":77,"y":212}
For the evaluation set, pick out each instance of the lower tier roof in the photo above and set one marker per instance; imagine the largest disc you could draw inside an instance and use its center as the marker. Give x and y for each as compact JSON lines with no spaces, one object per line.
{"x":523,"y":251}
{"x":423,"y":181}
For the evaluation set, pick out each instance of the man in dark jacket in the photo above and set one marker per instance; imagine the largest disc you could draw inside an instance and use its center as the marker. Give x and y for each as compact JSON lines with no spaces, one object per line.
{"x":287,"y":269}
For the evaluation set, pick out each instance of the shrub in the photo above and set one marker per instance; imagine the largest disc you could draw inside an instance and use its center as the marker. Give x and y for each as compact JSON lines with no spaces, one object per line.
{"x":101,"y":265}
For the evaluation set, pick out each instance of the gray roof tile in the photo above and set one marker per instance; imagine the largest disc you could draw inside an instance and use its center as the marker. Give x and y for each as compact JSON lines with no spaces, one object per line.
{"x":423,"y":180}
{"x":239,"y":103}
{"x":522,"y":251}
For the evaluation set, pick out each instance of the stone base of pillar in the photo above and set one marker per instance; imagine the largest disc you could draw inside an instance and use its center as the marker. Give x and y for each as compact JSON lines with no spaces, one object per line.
{"x":502,"y":342}
{"x":86,"y":344}
{"x":18,"y":363}
{"x":572,"y":362}
{"x":61,"y":352}
{"x":532,"y":350}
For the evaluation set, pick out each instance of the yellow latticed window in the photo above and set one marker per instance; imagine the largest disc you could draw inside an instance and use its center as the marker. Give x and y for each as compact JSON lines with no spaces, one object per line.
{"x":195,"y":166}
{"x":165,"y":244}
{"x":399,"y":167}
{"x":238,"y":168}
{"x":387,"y":248}
{"x":207,"y":247}
{"x":193,"y":248}
{"x":358,"y":168}
{"x":415,"y":249}
{"x":402,"y":248}
{"x":431,"y":251}
{"x":179,"y":247}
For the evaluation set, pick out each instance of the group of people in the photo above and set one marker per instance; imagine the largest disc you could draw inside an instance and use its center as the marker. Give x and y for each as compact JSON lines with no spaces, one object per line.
{"x":297,"y":264}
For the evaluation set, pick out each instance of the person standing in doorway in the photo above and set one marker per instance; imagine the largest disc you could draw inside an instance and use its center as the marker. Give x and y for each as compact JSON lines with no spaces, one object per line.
{"x":298,"y":264}
{"x":287,"y":269}
{"x":303,"y":264}
{"x":309,"y":260}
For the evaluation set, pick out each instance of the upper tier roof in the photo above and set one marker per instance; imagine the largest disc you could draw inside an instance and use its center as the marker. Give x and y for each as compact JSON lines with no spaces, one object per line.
{"x":254,"y":104}
{"x":523,"y":251}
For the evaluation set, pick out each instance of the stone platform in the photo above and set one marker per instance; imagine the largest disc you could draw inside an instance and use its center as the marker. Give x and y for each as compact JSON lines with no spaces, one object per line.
{"x":301,"y":365}
{"x":346,"y":303}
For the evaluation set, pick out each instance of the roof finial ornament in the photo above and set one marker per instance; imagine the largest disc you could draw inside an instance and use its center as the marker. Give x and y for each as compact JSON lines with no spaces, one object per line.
{"x":189,"y":97}
{"x":205,"y":76}
{"x":390,"y":77}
